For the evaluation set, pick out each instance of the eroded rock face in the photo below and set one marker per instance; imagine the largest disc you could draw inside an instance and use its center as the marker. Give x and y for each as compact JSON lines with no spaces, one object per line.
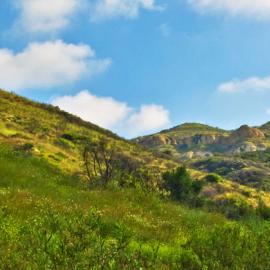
{"x":244,"y":139}
{"x":244,"y":147}
{"x":247,"y":147}
{"x":155,"y":140}
{"x":164,"y":139}
{"x":244,"y":133}
{"x":197,"y":155}
{"x":205,"y":139}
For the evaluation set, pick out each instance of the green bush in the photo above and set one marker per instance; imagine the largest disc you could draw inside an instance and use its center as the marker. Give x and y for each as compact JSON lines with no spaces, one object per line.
{"x":180,"y":184}
{"x":236,"y":208}
{"x":263,"y":210}
{"x":25,"y":148}
{"x":68,"y":137}
{"x":213,"y":178}
{"x":232,"y":246}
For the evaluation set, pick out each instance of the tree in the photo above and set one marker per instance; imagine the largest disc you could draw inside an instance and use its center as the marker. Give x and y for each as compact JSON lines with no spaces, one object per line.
{"x":180,"y":184}
{"x":100,"y":160}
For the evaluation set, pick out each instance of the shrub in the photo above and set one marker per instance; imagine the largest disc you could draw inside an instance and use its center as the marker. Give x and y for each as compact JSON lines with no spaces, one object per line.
{"x":68,"y":137}
{"x":236,"y":207}
{"x":25,"y":148}
{"x":180,"y":184}
{"x":213,"y":178}
{"x":64,"y":143}
{"x":263,"y":210}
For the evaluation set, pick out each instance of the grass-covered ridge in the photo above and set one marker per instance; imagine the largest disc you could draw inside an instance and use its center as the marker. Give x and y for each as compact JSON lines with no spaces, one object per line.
{"x":58,"y":136}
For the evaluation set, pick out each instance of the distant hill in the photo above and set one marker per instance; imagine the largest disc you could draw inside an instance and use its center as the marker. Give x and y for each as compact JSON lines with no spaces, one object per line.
{"x":211,"y":149}
{"x":192,"y":140}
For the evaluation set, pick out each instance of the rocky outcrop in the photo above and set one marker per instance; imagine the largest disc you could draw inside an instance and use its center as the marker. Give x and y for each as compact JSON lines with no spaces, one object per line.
{"x":162,"y":139}
{"x":199,"y":145}
{"x":155,"y":140}
{"x":245,"y":133}
{"x":196,"y":155}
{"x":205,"y":138}
{"x":243,"y":147}
{"x":247,"y":147}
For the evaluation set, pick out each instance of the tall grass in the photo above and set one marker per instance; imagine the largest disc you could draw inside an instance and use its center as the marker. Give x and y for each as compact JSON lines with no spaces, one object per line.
{"x":49,"y":220}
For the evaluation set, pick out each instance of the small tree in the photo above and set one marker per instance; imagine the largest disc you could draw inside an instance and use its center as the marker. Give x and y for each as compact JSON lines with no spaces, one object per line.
{"x":104,"y":161}
{"x":100,"y":160}
{"x":180,"y":184}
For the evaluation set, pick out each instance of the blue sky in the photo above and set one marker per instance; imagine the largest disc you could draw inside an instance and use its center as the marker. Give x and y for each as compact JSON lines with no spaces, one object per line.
{"x":138,"y":66}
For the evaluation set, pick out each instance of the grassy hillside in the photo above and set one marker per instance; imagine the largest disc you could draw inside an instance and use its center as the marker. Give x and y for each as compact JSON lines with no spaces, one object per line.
{"x":246,"y":169}
{"x":51,"y":218}
{"x":48,"y":220}
{"x":190,"y":129}
{"x":58,"y":136}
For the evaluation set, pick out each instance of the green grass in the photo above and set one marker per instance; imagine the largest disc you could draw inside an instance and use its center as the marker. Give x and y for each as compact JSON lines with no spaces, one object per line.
{"x":52,"y":131}
{"x":49,"y":220}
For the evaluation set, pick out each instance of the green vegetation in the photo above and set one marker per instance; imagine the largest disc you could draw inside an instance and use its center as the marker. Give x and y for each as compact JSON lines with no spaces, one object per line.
{"x":59,"y":137}
{"x":240,"y":170}
{"x":189,"y":129}
{"x":48,"y":220}
{"x":76,"y":196}
{"x":180,"y":184}
{"x":213,"y":178}
{"x":258,"y":156}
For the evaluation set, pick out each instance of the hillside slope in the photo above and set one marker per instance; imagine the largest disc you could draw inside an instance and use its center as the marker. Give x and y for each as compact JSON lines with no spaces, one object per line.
{"x":59,"y":138}
{"x":50,"y":218}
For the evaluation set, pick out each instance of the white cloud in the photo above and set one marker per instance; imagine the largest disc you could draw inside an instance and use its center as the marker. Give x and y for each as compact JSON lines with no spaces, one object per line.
{"x":43,"y":16}
{"x":259,"y":9}
{"x":108,"y":9}
{"x":112,"y":114}
{"x":268,"y":111}
{"x":103,"y":111}
{"x":248,"y":85}
{"x":48,"y":64}
{"x":149,"y":118}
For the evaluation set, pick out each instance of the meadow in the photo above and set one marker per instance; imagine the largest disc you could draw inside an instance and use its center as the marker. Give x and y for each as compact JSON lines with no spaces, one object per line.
{"x":51,"y":220}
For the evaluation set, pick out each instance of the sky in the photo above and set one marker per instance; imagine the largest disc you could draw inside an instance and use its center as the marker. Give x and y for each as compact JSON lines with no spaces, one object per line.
{"x":139,"y":66}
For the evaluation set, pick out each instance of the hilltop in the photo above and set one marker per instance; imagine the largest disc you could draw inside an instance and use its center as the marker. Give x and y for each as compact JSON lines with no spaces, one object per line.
{"x":239,"y":155}
{"x":206,"y":140}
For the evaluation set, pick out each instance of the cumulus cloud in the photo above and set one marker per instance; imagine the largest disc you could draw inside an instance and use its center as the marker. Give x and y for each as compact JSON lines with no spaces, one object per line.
{"x":43,"y":16}
{"x":108,"y":9}
{"x":104,"y":111}
{"x":248,"y":85}
{"x":48,"y":64}
{"x":259,"y":9}
{"x":112,"y":114}
{"x":148,"y":118}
